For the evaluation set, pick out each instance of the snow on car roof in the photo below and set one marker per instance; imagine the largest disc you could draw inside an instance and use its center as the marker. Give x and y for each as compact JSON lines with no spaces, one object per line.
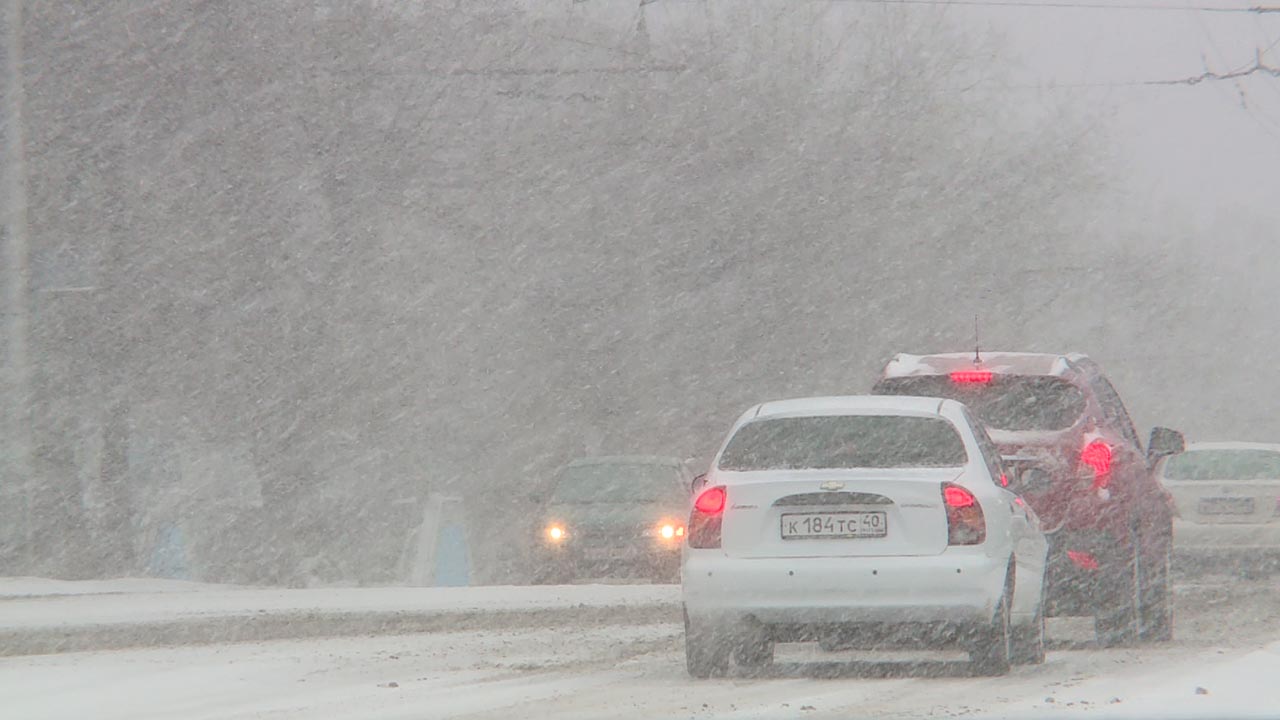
{"x":1016,"y":363}
{"x":851,"y":404}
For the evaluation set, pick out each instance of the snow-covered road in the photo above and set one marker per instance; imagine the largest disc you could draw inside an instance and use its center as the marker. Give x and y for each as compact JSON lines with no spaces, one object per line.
{"x":1223,"y":665}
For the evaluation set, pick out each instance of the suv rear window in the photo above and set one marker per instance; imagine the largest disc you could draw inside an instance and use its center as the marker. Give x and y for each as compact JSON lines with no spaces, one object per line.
{"x":1223,"y":465}
{"x":844,"y":441}
{"x":1016,"y":403}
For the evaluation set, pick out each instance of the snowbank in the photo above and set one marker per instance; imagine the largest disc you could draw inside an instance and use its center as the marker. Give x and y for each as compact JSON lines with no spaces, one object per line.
{"x":51,"y":616}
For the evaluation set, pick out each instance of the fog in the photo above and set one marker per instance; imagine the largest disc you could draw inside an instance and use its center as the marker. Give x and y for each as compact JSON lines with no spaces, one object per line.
{"x":289,"y":270}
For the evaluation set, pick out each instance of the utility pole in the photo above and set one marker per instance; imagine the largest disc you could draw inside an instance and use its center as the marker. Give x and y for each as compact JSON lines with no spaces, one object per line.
{"x":15,"y":392}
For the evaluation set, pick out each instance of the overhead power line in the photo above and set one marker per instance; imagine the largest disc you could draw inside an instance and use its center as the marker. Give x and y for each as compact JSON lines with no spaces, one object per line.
{"x":1067,"y":4}
{"x":1063,"y":4}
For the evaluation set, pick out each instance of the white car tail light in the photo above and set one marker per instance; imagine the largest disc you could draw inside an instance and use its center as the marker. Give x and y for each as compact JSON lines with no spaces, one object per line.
{"x":706,"y":519}
{"x":966,"y":524}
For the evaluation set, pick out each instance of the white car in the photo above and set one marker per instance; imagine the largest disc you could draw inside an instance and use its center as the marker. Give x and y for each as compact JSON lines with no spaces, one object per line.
{"x":883,"y":520}
{"x":1228,"y":500}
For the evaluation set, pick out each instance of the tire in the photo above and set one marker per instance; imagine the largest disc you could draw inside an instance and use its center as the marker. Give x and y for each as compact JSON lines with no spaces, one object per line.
{"x":1119,"y":624}
{"x":992,"y":652}
{"x":753,"y":651}
{"x":1156,"y":609}
{"x":1028,"y":642}
{"x":706,"y":654}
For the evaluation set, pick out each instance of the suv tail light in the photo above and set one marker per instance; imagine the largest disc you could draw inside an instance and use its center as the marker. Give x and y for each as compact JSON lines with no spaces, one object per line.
{"x":1097,"y":457}
{"x":1083,"y":560}
{"x":966,"y":524}
{"x":972,"y":376}
{"x":707,"y":517}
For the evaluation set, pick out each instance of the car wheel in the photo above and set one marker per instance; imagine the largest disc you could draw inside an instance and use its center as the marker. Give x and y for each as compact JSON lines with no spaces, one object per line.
{"x":1117,"y":625}
{"x":706,"y":653}
{"x":1028,"y":642}
{"x":753,"y":650}
{"x":1157,"y":600}
{"x":992,"y":652}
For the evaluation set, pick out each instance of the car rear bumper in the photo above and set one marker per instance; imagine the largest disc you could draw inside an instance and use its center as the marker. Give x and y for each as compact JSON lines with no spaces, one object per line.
{"x":1201,"y":547}
{"x":1088,"y":572}
{"x":954,"y":587}
{"x":585,"y":562}
{"x":1190,"y":536}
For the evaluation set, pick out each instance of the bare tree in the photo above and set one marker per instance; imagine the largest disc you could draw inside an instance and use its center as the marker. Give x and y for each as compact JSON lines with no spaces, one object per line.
{"x":397,"y":248}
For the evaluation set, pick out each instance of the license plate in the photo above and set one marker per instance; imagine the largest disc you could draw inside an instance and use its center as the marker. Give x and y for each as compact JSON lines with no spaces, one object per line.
{"x":1226,"y":506}
{"x":800,"y":526}
{"x":606,"y":554}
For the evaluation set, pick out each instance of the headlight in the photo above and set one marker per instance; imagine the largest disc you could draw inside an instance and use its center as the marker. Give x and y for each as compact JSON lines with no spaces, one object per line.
{"x":669,"y":531}
{"x":556,"y":533}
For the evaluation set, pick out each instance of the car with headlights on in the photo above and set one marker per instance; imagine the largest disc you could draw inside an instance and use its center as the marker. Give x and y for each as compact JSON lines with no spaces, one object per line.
{"x":1062,"y":428}
{"x":613,"y":517}
{"x":878,"y":520}
{"x":1228,"y":500}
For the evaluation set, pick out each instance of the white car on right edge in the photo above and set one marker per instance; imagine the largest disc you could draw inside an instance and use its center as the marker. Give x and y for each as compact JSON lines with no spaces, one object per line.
{"x":885,"y":521}
{"x":1228,"y":500}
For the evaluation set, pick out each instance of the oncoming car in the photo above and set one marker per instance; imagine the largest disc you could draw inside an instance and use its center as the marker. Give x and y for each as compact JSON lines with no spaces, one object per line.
{"x":620,"y":516}
{"x":873,"y":518}
{"x":1228,"y":500}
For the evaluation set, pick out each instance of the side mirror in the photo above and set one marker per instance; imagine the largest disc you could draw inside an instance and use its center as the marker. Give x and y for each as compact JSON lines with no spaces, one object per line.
{"x":1033,"y":479}
{"x":698,"y":483}
{"x":1165,"y":442}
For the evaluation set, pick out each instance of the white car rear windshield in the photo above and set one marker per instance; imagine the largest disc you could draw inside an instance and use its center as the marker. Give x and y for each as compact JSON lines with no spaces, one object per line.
{"x":844,"y":441}
{"x":1223,"y":465}
{"x":1015,"y":403}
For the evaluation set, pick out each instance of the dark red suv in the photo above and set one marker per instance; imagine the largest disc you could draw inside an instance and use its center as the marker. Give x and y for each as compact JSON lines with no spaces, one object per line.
{"x":1070,"y":449}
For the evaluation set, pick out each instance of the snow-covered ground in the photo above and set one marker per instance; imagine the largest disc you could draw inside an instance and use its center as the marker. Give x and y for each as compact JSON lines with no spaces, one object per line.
{"x":1212,"y":684}
{"x":634,"y":669}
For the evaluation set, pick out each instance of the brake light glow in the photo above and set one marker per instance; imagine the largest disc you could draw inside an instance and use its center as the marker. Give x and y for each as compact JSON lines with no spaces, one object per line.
{"x":707,"y":518}
{"x":971,"y":376}
{"x":957,"y":497}
{"x":1082,"y":560}
{"x":1097,"y":456}
{"x":966,"y":525}
{"x":711,"y":501}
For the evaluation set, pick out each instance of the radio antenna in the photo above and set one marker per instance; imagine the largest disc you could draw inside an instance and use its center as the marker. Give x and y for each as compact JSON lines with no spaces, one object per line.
{"x":977,"y":353}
